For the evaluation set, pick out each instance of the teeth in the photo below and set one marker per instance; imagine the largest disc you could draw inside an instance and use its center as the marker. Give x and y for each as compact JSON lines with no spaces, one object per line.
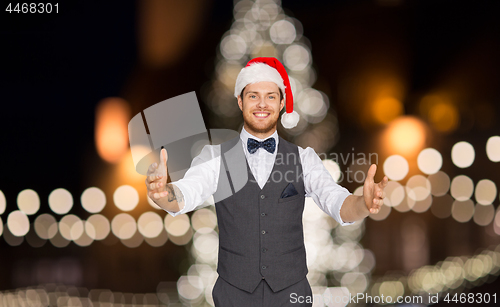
{"x":261,"y":114}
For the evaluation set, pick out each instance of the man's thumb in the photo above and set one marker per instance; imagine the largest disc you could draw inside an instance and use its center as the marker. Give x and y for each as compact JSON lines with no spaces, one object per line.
{"x":164,"y":157}
{"x":371,"y":171}
{"x":163,"y":161}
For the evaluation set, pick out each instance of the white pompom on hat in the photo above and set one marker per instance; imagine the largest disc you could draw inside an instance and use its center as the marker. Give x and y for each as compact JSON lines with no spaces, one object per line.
{"x":269,"y":69}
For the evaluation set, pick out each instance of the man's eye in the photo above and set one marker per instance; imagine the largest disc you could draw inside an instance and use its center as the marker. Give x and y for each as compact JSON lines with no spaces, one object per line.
{"x":272,"y":97}
{"x":253,"y":96}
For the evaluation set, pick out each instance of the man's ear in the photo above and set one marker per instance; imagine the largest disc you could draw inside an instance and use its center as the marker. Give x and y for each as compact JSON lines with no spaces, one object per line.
{"x":240,"y":103}
{"x":282,"y":103}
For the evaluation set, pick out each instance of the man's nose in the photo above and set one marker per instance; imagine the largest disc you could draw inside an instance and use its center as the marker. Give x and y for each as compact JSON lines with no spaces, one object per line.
{"x":262,"y":102}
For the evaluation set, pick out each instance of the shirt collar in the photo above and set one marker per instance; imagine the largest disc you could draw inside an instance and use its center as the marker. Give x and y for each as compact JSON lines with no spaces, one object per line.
{"x":245,"y":135}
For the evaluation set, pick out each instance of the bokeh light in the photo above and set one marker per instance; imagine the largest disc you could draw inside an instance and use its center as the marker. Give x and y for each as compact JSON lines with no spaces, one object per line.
{"x":71,"y":227}
{"x":190,"y":287}
{"x":97,"y":227}
{"x":203,"y":218}
{"x":233,"y":47}
{"x":486,"y":192}
{"x":492,"y":149}
{"x":134,"y":241}
{"x":497,"y":218}
{"x":123,"y":226}
{"x":159,"y":240}
{"x":418,"y":188}
{"x":462,"y":154}
{"x":1,"y":226}
{"x":59,"y":241}
{"x":46,"y":226}
{"x":60,"y":201}
{"x":150,"y":224}
{"x":382,"y":214}
{"x":444,"y":117}
{"x":461,"y":188}
{"x":182,"y":240}
{"x":423,"y":205}
{"x":177,"y":226}
{"x":126,"y":198}
{"x":93,"y":200}
{"x":440,"y":183}
{"x":84,"y":240}
{"x":405,"y":135}
{"x":386,"y":109}
{"x":462,"y":211}
{"x":18,"y":223}
{"x":429,"y":161}
{"x":206,"y":241}
{"x":395,"y":194}
{"x":282,"y":32}
{"x":484,"y":214}
{"x":3,"y":203}
{"x":28,"y":201}
{"x":296,"y":57}
{"x":10,"y":238}
{"x":406,"y":204}
{"x":313,"y":104}
{"x":111,"y":128}
{"x":396,"y":167}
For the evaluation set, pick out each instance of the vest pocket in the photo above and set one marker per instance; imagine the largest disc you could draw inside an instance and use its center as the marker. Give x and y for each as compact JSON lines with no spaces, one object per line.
{"x":292,"y":250}
{"x":287,"y":199}
{"x":230,"y":251}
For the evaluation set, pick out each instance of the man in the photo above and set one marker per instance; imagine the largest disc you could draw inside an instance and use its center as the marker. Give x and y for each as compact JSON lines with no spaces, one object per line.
{"x":262,"y":259}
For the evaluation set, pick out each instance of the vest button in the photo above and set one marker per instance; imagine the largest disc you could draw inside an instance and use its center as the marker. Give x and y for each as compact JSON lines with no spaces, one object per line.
{"x":264,"y":267}
{"x":263,"y":214}
{"x":263,"y":232}
{"x":264,"y":250}
{"x":262,"y":196}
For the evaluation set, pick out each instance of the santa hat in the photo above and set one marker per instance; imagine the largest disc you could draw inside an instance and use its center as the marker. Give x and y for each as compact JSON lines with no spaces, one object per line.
{"x":269,"y":69}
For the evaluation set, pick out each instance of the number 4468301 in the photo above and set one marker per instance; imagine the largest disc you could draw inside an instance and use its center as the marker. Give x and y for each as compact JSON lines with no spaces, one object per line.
{"x":32,"y":8}
{"x":471,"y":298}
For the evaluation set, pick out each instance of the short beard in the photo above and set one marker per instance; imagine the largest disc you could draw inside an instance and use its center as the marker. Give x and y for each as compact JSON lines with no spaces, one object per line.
{"x":262,"y":130}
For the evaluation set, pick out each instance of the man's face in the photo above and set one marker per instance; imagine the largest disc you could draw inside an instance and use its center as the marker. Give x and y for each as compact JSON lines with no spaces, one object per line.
{"x":261,"y":108}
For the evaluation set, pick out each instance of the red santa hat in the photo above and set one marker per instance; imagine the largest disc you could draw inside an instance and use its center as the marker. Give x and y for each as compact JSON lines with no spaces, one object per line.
{"x":269,"y":69}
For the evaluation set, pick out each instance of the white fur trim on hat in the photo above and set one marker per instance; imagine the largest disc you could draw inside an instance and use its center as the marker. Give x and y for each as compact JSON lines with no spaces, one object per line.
{"x":257,"y":72}
{"x":290,"y":120}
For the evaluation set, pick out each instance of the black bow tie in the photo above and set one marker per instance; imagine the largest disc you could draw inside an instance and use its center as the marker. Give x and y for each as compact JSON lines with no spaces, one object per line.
{"x":269,"y":145}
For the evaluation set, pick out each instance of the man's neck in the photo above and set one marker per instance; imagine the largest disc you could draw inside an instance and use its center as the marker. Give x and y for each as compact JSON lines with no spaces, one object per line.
{"x":260,"y":135}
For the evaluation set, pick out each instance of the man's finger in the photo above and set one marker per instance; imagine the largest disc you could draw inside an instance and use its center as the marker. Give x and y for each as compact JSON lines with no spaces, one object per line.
{"x":384,"y":181}
{"x":151,"y":168}
{"x":152,"y":177}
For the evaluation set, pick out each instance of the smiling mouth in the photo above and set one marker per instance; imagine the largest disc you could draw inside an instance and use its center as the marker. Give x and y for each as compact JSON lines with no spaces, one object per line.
{"x":261,"y":114}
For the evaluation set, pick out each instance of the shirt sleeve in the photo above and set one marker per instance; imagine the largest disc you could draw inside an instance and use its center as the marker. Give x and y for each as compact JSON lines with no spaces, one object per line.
{"x":200,"y":180}
{"x":319,"y":184}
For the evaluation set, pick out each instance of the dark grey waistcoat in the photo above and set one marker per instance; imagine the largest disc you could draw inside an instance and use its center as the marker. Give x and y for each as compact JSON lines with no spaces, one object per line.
{"x":260,"y":234}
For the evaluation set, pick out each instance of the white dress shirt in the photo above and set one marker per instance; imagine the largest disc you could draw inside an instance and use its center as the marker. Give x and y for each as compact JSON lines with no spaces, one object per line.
{"x":200,"y":180}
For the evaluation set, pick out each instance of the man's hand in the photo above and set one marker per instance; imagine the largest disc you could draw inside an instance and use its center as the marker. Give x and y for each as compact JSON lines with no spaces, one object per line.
{"x":374,"y":193}
{"x":156,"y":180}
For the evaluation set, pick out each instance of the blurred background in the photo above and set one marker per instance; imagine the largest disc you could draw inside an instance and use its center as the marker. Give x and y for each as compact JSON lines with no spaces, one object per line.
{"x":412,"y":86}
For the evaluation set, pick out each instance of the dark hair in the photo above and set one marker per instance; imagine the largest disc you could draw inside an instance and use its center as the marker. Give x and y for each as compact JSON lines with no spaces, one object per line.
{"x":241,"y":94}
